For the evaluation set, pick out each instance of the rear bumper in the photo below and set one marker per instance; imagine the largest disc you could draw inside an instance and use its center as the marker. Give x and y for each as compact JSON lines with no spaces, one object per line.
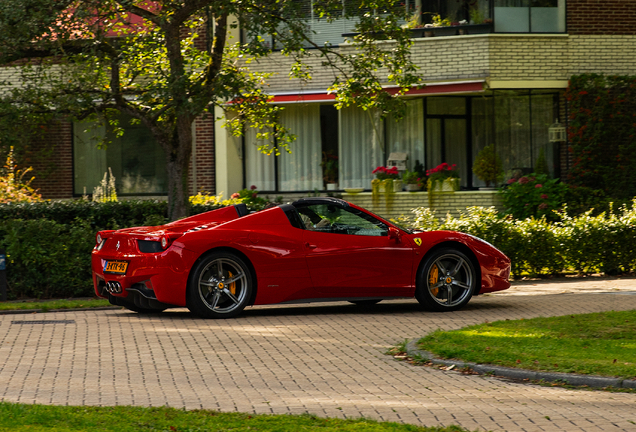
{"x":151,"y":281}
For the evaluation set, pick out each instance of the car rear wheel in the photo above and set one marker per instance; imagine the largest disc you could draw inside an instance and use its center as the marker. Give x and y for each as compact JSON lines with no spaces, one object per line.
{"x":220,"y":286}
{"x":446,"y":281}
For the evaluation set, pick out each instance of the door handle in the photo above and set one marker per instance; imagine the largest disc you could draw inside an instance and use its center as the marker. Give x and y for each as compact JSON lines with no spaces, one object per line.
{"x":310,"y":246}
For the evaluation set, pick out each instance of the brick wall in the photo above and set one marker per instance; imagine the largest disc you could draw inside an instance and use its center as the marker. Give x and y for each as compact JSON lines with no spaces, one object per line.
{"x":528,"y":57}
{"x":602,"y":54}
{"x":52,"y":161}
{"x":601,"y":17}
{"x":204,"y":131}
{"x":443,"y":203}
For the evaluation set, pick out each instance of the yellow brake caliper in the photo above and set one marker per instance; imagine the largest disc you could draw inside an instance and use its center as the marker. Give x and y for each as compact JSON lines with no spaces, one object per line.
{"x":232,"y":285}
{"x":433,"y":276}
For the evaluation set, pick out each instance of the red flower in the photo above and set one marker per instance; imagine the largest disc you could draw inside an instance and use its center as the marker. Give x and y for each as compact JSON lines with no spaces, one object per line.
{"x":512,"y":180}
{"x":253,"y":187}
{"x":235,"y":195}
{"x":523,"y":180}
{"x":538,"y":186}
{"x":544,"y":196}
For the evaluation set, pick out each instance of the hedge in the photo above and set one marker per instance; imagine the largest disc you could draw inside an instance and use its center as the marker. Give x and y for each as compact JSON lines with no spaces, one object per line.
{"x":106,"y":215}
{"x":48,"y":244}
{"x":584,"y":244}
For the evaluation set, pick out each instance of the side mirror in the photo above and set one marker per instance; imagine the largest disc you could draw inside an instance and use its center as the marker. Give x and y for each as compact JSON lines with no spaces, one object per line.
{"x":394,"y":234}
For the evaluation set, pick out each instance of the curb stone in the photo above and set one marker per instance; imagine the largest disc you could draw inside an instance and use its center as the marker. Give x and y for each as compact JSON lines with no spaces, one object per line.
{"x":524,"y":374}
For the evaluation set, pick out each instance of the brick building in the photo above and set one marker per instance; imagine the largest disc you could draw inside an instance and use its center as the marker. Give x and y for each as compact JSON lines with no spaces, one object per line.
{"x":498,"y":79}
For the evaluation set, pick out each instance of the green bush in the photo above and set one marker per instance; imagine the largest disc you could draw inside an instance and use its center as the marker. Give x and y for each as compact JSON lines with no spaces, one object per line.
{"x":48,"y":259}
{"x":100,"y":215}
{"x":49,"y":244}
{"x":583,"y":244}
{"x":534,"y":195}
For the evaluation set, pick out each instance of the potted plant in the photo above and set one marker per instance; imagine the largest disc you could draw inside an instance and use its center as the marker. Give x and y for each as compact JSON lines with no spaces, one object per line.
{"x":330,"y":170}
{"x":443,"y":178}
{"x":488,"y":166}
{"x":412,"y":180}
{"x":384,"y":182}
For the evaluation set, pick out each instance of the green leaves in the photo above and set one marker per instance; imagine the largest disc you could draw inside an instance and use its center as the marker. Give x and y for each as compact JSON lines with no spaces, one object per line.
{"x":583,"y":244}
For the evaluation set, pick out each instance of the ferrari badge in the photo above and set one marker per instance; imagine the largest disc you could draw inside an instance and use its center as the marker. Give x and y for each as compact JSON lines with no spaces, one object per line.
{"x":418,"y":241}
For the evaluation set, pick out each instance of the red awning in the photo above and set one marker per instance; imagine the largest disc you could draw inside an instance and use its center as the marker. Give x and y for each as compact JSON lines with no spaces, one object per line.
{"x":429,"y":89}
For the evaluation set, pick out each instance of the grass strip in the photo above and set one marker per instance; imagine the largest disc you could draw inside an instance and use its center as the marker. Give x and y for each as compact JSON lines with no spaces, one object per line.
{"x":46,"y":305}
{"x":595,"y":344}
{"x":21,"y":417}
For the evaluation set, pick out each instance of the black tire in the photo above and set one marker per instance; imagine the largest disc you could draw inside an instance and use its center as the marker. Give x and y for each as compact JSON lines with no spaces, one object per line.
{"x":446,"y":281}
{"x":220,"y":286}
{"x":365,"y":302}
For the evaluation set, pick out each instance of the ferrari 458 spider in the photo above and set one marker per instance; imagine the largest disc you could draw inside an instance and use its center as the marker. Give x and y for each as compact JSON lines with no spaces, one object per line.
{"x":314,"y":249}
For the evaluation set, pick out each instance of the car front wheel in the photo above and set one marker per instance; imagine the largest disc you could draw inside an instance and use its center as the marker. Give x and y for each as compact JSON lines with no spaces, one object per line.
{"x":446,"y":281}
{"x":220,"y":286}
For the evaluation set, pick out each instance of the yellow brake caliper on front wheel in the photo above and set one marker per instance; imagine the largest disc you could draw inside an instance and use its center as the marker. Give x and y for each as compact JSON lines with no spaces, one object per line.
{"x":232,"y":285}
{"x":433,"y":277}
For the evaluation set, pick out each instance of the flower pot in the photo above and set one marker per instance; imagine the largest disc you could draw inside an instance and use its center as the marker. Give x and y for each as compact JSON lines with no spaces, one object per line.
{"x":446,"y":185}
{"x":413,"y":187}
{"x":397,"y":185}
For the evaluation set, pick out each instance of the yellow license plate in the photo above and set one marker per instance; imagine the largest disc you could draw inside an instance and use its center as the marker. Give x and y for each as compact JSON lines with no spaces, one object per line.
{"x":118,"y":267}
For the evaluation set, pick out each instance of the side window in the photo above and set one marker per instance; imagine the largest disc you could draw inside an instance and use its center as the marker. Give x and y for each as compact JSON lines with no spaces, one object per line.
{"x":333,"y":219}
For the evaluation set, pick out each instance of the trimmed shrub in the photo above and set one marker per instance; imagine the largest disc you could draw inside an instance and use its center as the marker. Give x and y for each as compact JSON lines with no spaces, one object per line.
{"x":99,"y":215}
{"x":584,"y":244}
{"x":48,"y":259}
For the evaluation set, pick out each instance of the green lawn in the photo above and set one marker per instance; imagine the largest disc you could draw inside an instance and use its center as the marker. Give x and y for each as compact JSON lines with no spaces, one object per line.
{"x":20,"y":417}
{"x":46,"y":305}
{"x":599,"y":344}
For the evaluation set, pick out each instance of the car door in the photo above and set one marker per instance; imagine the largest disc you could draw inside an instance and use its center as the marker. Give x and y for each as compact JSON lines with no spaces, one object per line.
{"x":350,"y":253}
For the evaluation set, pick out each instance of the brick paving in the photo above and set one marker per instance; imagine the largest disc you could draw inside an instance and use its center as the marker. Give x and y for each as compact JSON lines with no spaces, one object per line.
{"x":324,"y":359}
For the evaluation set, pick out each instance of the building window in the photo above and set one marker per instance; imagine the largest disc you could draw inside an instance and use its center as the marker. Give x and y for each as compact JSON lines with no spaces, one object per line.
{"x":137,"y":161}
{"x":471,"y":11}
{"x":529,"y":16}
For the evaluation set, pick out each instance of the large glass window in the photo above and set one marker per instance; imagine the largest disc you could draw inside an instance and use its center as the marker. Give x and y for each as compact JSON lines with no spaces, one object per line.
{"x":407,"y":134}
{"x":136,"y":160}
{"x":522,"y":120}
{"x":446,"y":134}
{"x":313,"y":161}
{"x":361,"y":147}
{"x":529,"y":16}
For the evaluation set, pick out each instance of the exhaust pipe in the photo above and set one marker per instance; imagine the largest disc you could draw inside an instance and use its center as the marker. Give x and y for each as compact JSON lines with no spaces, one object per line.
{"x":113,"y":287}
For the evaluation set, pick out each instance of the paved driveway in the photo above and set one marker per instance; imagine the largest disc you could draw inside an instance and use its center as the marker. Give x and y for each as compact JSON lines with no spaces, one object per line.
{"x":322,"y":359}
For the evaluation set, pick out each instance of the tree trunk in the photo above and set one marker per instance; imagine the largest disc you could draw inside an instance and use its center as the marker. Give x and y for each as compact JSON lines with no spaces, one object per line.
{"x":178,"y":153}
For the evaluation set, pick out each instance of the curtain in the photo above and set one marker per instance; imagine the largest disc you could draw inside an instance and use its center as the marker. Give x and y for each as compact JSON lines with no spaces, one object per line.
{"x":407,"y":135}
{"x":301,"y":170}
{"x":259,"y":168}
{"x":89,"y":162}
{"x":361,"y":147}
{"x":542,"y":118}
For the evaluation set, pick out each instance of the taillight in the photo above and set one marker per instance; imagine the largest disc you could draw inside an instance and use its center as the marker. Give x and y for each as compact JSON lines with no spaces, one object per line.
{"x":164,"y":242}
{"x":99,"y":241}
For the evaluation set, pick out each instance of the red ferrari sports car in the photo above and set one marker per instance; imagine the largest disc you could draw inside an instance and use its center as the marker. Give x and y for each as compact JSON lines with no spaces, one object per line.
{"x":314,"y":249}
